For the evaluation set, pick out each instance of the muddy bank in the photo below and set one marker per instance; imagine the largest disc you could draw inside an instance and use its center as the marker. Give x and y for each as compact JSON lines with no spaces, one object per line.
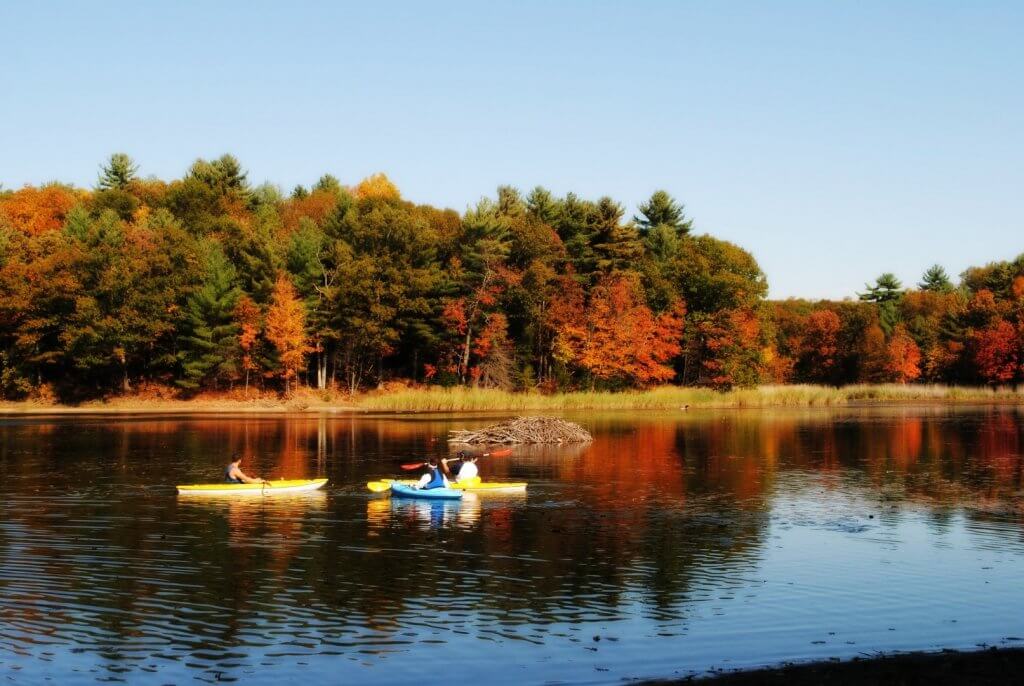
{"x":948,"y":668}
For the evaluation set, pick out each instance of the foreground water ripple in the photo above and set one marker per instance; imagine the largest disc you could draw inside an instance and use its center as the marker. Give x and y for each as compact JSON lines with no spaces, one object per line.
{"x":672,"y":544}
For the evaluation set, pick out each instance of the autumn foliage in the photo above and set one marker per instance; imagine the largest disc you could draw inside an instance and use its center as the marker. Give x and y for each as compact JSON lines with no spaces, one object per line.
{"x":248,"y":317}
{"x":997,"y":352}
{"x":904,"y":357}
{"x":37,"y":210}
{"x":618,"y":338}
{"x":209,"y":282}
{"x":285,"y":328}
{"x":377,"y":187}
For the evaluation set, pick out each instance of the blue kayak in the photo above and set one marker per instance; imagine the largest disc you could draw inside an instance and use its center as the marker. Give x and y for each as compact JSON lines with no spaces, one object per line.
{"x":404,"y":491}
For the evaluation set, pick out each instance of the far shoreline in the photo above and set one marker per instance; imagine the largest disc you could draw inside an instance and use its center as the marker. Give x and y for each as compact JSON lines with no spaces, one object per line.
{"x":414,"y":400}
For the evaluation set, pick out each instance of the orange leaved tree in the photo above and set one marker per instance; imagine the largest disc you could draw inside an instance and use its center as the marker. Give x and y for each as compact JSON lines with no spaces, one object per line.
{"x":247,"y":316}
{"x":286,"y":328}
{"x":623,"y":340}
{"x":38,"y":210}
{"x":904,"y":357}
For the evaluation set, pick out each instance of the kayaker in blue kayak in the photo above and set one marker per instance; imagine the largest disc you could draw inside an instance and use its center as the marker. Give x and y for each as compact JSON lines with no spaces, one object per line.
{"x":233,"y":473}
{"x":436,"y":475}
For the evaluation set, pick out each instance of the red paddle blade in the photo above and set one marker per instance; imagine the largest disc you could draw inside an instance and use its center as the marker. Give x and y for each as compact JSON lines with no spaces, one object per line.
{"x":500,"y":453}
{"x":411,"y":466}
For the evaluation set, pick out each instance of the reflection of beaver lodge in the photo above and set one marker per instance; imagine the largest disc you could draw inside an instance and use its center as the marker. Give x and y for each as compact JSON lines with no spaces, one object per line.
{"x":525,"y":430}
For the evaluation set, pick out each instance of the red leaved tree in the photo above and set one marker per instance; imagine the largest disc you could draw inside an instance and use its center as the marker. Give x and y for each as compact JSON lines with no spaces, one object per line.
{"x":997,"y":352}
{"x":820,"y":345}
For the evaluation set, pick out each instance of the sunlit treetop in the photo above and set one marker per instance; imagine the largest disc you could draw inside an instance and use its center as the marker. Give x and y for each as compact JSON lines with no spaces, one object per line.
{"x":377,"y":186}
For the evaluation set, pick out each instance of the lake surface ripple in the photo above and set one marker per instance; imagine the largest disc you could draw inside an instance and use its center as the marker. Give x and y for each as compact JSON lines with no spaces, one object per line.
{"x":671,"y":545}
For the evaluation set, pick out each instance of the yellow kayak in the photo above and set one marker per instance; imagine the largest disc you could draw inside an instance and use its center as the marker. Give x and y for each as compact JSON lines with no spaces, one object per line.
{"x":474,"y":485}
{"x":270,"y":488}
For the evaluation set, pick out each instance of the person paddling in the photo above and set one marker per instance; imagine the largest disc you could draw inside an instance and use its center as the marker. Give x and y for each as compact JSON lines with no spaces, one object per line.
{"x":467,"y":470}
{"x":233,"y":473}
{"x":436,"y":475}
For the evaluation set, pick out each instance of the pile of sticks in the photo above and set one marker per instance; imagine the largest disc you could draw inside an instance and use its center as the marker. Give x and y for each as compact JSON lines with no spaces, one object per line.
{"x":525,"y":430}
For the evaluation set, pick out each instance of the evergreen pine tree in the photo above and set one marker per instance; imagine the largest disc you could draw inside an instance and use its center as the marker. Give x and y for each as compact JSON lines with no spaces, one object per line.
{"x":662,"y":210}
{"x":886,"y":293}
{"x":617,"y":246}
{"x":328,"y":184}
{"x":936,"y":279}
{"x":576,"y":224}
{"x":118,"y":172}
{"x":209,"y":346}
{"x":542,"y":205}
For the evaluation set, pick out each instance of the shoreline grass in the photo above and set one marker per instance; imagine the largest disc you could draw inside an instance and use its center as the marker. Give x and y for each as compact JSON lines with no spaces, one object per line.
{"x":435,"y":399}
{"x":676,"y":398}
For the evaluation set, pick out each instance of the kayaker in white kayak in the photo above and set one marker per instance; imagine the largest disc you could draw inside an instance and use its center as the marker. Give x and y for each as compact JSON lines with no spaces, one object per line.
{"x":233,"y":473}
{"x":436,"y":476}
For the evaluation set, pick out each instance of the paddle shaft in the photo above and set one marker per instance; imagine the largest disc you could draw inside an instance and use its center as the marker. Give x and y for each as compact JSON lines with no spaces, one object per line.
{"x":497,"y":453}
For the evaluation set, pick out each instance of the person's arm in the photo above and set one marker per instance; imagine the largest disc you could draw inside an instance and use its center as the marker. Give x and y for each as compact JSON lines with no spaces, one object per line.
{"x":444,"y":468}
{"x":424,"y":480}
{"x":237,"y":473}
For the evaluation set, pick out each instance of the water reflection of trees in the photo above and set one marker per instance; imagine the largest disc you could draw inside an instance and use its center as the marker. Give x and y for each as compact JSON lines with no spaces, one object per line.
{"x":657,"y":512}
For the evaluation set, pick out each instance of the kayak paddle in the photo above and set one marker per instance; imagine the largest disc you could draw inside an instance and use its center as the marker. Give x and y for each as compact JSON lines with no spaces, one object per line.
{"x":416,"y":465}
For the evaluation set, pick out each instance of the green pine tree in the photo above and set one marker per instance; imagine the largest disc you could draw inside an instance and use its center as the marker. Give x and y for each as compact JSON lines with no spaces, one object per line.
{"x":886,"y":294}
{"x":542,"y":205}
{"x":118,"y":172}
{"x":208,"y":346}
{"x":617,"y":246}
{"x":936,"y":279}
{"x":662,"y":210}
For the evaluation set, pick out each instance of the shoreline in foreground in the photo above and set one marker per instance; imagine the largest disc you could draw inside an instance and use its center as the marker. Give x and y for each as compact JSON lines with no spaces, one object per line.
{"x":945,"y":668}
{"x":435,"y":399}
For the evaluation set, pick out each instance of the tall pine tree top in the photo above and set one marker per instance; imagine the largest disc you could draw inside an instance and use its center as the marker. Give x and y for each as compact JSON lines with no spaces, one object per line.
{"x":936,"y":279}
{"x":886,"y":289}
{"x":663,"y":210}
{"x":118,"y":172}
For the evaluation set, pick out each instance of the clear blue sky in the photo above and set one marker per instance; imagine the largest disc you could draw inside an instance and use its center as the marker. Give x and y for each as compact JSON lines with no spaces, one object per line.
{"x":834,"y":140}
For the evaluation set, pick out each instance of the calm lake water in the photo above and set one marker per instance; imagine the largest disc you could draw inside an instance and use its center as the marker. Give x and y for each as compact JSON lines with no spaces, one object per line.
{"x":670,"y":545}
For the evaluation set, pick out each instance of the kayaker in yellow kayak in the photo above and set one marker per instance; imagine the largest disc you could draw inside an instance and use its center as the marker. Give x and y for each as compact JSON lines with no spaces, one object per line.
{"x":467,"y":470}
{"x":436,"y":475}
{"x":233,"y":473}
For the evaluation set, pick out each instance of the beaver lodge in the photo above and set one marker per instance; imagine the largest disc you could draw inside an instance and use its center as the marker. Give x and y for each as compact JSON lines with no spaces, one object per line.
{"x":525,"y":430}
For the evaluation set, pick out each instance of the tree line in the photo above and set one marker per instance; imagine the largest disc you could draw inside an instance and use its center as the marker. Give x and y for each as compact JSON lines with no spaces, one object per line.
{"x":939,"y":332}
{"x":210,"y":283}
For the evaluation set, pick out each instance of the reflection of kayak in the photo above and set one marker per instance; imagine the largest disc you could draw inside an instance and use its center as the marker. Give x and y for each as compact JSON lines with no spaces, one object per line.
{"x":269,"y":488}
{"x":475,"y":486}
{"x":403,"y":491}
